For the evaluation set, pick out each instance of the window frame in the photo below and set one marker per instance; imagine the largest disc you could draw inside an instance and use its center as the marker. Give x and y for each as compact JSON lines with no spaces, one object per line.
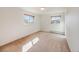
{"x":28,"y":20}
{"x":52,"y":21}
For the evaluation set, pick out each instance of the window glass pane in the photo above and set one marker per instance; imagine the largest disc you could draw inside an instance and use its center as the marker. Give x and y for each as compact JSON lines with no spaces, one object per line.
{"x":53,"y":18}
{"x":56,"y":17}
{"x":31,"y":19}
{"x":26,"y":18}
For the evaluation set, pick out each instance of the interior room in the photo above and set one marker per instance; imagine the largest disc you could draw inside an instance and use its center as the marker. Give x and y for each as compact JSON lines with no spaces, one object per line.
{"x":39,"y":29}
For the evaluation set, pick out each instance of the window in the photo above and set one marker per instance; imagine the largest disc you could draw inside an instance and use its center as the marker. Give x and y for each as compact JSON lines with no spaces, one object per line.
{"x":28,"y":18}
{"x":56,"y":19}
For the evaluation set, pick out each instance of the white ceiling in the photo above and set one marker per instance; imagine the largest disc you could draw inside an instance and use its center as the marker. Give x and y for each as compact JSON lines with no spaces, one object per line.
{"x":46,"y":11}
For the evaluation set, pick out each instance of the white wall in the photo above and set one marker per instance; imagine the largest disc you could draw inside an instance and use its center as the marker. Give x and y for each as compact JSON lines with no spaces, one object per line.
{"x":47,"y":26}
{"x":12,"y":25}
{"x":72,"y":28}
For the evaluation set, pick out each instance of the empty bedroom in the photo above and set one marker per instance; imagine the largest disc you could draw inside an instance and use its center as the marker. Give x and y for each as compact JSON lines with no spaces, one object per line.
{"x":39,"y":29}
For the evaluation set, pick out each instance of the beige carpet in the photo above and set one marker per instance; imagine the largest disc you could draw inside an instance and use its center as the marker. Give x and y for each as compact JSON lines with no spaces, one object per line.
{"x":38,"y":42}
